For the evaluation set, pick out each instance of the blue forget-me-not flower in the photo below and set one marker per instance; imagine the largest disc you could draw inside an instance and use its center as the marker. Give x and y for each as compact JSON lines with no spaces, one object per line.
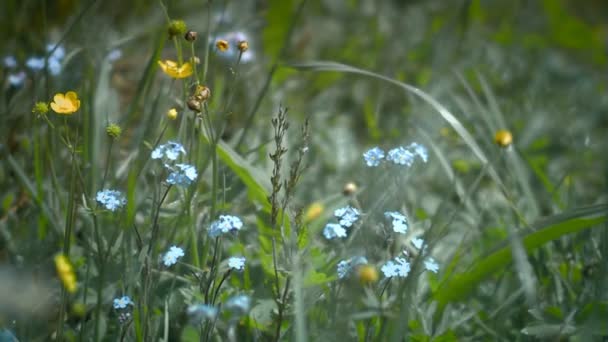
{"x":399,"y":221}
{"x":347,"y":216}
{"x":239,"y":304}
{"x":398,"y":267}
{"x":181,"y":174}
{"x":111,"y":199}
{"x":170,"y":151}
{"x":173,"y":254}
{"x":236,"y":263}
{"x":333,"y":230}
{"x":198,"y":312}
{"x":225,"y":224}
{"x":122,"y":302}
{"x":373,"y":157}
{"x":431,"y":265}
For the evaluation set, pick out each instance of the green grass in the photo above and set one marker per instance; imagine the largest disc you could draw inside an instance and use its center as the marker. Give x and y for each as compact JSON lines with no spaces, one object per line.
{"x":519,"y":232}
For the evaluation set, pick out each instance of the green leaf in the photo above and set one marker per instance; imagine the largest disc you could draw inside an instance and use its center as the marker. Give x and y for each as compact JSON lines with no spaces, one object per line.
{"x":278,"y":17}
{"x":460,"y":285}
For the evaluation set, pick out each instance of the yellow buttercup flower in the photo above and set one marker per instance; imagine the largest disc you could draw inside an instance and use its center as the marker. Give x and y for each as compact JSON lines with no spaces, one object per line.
{"x":172,"y":114}
{"x":65,"y":104}
{"x":65,"y":272}
{"x":174,"y":70}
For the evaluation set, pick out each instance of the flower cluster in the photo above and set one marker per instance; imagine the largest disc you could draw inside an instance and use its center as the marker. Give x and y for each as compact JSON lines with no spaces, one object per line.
{"x":123,"y":306}
{"x":237,"y":306}
{"x":399,"y":156}
{"x":236,"y":263}
{"x":398,"y":267}
{"x":179,"y":174}
{"x":111,"y":199}
{"x":346,"y":216}
{"x":346,"y":267}
{"x":399,"y":221}
{"x":173,"y":254}
{"x":225,"y":224}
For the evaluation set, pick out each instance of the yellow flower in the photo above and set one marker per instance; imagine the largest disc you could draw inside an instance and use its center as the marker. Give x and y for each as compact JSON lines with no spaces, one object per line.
{"x":222,"y":45}
{"x":65,"y":104}
{"x":313,"y":211}
{"x":174,"y":70}
{"x":65,"y":272}
{"x":503,"y":138}
{"x":172,"y":114}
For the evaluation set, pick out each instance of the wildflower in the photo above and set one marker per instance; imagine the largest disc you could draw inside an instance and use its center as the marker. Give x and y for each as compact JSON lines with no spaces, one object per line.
{"x":367,"y":274}
{"x":418,"y":242}
{"x":65,"y":271}
{"x":345,"y":267}
{"x":333,"y":230}
{"x":174,"y":70}
{"x":40,"y":108}
{"x":420,"y":151}
{"x":199,"y":312}
{"x":35,"y":63}
{"x":58,"y":52}
{"x":113,"y":131}
{"x":16,"y":79}
{"x":171,"y":151}
{"x":111,"y":199}
{"x":225,"y":224}
{"x":173,"y":254}
{"x":176,"y":28}
{"x":313,"y":211}
{"x":503,"y":138}
{"x":181,"y":174}
{"x":65,"y":104}
{"x":241,"y":42}
{"x":9,"y":62}
{"x":114,"y":55}
{"x":243,"y":46}
{"x":399,"y":221}
{"x":349,"y":189}
{"x":172,"y":114}
{"x":373,"y":157}
{"x":431,"y":265}
{"x":239,"y":305}
{"x":190,"y":36}
{"x":347,"y":215}
{"x":399,"y":267}
{"x":222,"y":45}
{"x":236,"y":263}
{"x":202,"y":93}
{"x":122,"y":302}
{"x":54,"y":66}
{"x":401,"y":156}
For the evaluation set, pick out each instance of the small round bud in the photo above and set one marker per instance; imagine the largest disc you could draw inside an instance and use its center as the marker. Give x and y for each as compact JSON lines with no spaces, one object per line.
{"x":202,"y":93}
{"x":195,"y":60}
{"x":172,"y":114}
{"x":367,"y":274}
{"x":113,"y":131}
{"x":313,"y":211}
{"x":349,"y":189}
{"x":503,"y":138}
{"x":176,"y":28}
{"x":222,"y":45}
{"x":40,"y":108}
{"x":243,"y":45}
{"x":191,"y":35}
{"x":194,"y":105}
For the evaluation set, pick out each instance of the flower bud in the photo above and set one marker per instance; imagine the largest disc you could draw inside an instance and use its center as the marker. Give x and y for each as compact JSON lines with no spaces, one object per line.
{"x":172,"y":114}
{"x":202,"y":93}
{"x":40,"y":108}
{"x":113,"y":131}
{"x":243,"y":46}
{"x":191,"y":35}
{"x":349,"y":189}
{"x":222,"y":45}
{"x":194,"y":104}
{"x":313,"y":211}
{"x":503,"y":138}
{"x":176,"y":28}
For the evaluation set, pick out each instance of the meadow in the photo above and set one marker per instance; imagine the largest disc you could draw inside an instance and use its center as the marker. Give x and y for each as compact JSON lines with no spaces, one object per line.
{"x":303,"y":170}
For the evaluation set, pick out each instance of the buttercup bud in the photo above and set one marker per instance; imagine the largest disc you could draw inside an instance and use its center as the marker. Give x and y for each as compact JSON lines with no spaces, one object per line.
{"x":349,"y":189}
{"x":243,"y":46}
{"x":503,"y":138}
{"x":191,"y":36}
{"x":172,"y":114}
{"x":222,"y":45}
{"x":194,"y":104}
